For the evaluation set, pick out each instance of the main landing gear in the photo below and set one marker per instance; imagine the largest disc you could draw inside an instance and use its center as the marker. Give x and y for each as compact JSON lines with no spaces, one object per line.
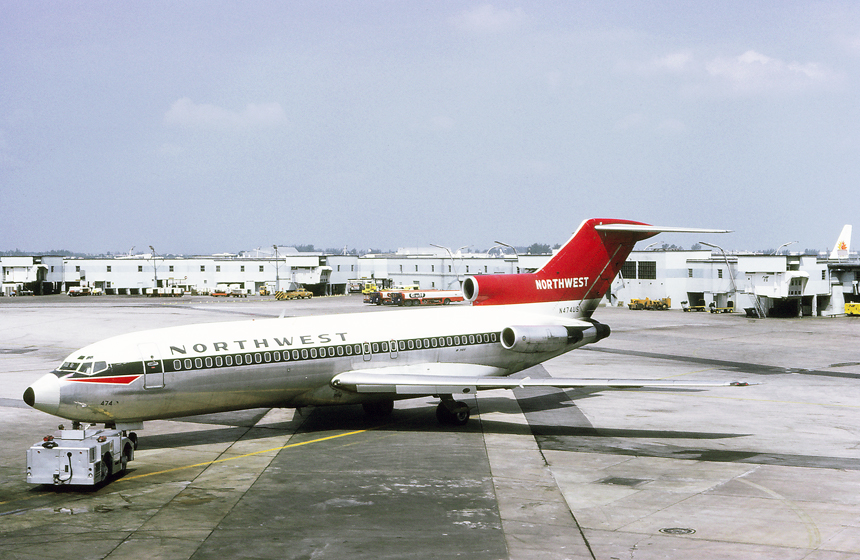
{"x":451,"y":412}
{"x":448,"y":413}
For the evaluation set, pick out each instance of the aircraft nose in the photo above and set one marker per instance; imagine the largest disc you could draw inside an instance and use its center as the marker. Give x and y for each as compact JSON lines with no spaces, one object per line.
{"x":44,"y":394}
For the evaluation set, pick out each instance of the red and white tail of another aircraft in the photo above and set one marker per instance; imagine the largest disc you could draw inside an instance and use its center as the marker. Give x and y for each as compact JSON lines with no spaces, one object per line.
{"x":514,"y":322}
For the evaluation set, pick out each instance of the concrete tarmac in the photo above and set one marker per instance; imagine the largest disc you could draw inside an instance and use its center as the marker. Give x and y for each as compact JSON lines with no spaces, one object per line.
{"x":766,"y":471}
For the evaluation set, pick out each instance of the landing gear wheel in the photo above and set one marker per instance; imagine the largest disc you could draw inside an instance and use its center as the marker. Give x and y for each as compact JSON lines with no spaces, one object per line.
{"x":378,"y":409}
{"x":459,"y":417}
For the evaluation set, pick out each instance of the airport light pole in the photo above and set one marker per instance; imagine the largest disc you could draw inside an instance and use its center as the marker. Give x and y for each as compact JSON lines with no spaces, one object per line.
{"x":516,"y":255}
{"x":277,"y":270}
{"x":154,"y":268}
{"x":453,"y":262}
{"x":784,"y":245}
{"x":731,"y":274}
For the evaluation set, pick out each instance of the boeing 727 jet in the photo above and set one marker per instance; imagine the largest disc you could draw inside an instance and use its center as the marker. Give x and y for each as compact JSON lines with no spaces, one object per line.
{"x":513,"y":322}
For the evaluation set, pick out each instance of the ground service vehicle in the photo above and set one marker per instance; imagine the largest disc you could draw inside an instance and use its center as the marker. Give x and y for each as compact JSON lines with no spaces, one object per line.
{"x":664,"y":303}
{"x":425,"y":297}
{"x":298,"y":293}
{"x":79,"y":457}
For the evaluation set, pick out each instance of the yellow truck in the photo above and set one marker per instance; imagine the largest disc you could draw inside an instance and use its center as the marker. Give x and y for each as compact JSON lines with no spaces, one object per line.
{"x":852,"y":309}
{"x":646,"y":303}
{"x":298,"y":293}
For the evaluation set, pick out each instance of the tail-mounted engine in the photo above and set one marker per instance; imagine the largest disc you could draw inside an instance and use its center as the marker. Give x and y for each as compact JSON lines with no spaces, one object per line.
{"x":550,"y":338}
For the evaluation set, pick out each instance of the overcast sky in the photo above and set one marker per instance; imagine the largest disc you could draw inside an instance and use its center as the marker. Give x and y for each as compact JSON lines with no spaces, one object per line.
{"x":202,"y":127}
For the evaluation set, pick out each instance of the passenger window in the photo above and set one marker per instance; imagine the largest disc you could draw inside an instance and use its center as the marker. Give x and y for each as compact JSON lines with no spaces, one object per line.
{"x":187,"y":363}
{"x":471,"y":339}
{"x":267,"y":357}
{"x":208,"y":362}
{"x":258,"y":358}
{"x":426,"y":343}
{"x":228,"y":360}
{"x":304,"y":353}
{"x":375,"y":348}
{"x":276,"y":356}
{"x":238,"y":359}
{"x":340,"y":350}
{"x":448,"y":341}
{"x":434,"y":342}
{"x":349,"y":350}
{"x":313,"y":352}
{"x":198,"y":363}
{"x":402,"y":344}
{"x":177,"y":365}
{"x":296,"y":354}
{"x":456,"y":341}
{"x":410,"y":344}
{"x":218,"y":361}
{"x":248,"y":359}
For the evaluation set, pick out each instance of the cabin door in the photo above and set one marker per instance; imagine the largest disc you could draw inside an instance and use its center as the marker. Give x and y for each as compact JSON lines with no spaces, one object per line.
{"x":153,"y":371}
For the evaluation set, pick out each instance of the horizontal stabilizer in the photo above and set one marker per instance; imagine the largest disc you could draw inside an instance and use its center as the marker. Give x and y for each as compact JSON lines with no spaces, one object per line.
{"x":374,"y":381}
{"x":643,"y":228}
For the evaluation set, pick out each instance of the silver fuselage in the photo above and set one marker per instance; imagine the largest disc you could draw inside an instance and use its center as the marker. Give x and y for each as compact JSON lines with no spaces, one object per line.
{"x":287,"y":362}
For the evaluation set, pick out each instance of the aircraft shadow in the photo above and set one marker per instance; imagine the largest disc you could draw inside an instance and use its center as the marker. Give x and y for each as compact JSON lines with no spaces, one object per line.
{"x":242,"y":425}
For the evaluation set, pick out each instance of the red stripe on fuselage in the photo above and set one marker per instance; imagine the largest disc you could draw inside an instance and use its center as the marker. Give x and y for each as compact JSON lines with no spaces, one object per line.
{"x":117,"y":380}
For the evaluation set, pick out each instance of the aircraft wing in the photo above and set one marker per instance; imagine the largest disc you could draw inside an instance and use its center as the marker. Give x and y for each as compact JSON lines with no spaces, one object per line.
{"x":375,"y":381}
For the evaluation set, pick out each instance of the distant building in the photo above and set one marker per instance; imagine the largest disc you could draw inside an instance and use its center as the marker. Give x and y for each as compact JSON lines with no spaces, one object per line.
{"x":763,"y":285}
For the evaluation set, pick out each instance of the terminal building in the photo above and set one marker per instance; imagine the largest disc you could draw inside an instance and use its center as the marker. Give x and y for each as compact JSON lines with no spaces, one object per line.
{"x":757,"y":284}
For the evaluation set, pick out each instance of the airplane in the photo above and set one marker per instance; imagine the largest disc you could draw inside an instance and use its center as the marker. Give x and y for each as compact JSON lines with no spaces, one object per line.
{"x":843,"y":244}
{"x":515,"y":321}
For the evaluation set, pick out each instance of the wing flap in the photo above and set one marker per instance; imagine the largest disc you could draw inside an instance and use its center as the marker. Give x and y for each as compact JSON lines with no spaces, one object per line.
{"x":377,"y":381}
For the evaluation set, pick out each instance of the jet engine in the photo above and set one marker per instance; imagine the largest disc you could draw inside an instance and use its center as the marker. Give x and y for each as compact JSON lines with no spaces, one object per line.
{"x":550,"y":338}
{"x":500,"y":289}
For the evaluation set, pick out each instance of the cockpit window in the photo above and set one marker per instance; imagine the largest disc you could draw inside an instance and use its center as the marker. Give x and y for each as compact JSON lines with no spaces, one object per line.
{"x":92,"y":368}
{"x":70,"y":366}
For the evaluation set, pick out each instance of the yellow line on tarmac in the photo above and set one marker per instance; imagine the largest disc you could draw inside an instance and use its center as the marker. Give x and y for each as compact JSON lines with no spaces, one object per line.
{"x":241,"y":456}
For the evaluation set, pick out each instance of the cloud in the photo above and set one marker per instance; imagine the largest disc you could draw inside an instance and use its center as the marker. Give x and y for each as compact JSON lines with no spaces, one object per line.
{"x":186,"y":113}
{"x":753,"y":72}
{"x":674,"y":62}
{"x":487,"y":19}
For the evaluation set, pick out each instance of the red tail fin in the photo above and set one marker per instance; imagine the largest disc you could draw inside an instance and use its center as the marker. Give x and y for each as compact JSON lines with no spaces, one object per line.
{"x":580,"y":273}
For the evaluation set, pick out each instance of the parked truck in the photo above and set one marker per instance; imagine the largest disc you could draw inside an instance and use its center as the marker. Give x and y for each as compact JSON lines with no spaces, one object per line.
{"x":297,"y":292}
{"x":425,"y":297}
{"x":658,"y":304}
